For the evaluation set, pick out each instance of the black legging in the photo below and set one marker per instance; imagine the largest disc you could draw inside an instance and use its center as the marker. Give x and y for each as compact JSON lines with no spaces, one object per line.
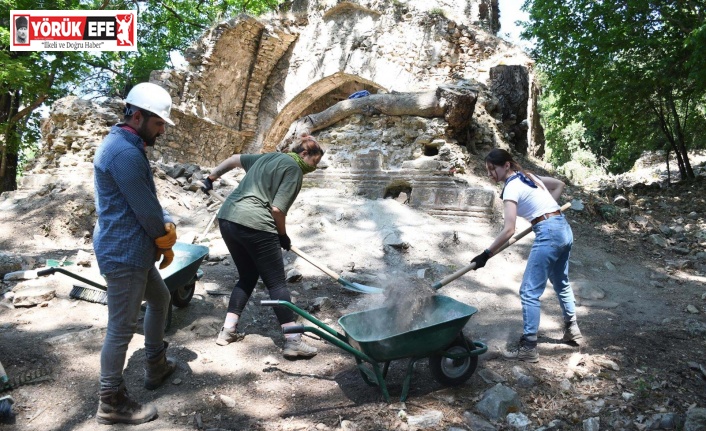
{"x":256,"y":254}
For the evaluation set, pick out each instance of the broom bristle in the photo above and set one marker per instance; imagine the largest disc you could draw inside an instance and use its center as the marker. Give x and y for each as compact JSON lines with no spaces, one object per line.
{"x":89,"y":294}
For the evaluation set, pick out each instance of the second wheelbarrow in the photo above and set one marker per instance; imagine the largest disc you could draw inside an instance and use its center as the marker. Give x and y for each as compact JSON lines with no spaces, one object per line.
{"x":180,"y":277}
{"x":436,"y":335}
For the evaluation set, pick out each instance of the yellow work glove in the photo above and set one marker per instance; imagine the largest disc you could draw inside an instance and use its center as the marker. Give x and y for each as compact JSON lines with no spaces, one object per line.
{"x":168,"y":257}
{"x":168,"y":240}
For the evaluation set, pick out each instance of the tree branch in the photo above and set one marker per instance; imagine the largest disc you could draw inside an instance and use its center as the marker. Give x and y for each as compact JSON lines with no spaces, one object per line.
{"x":455,"y":103}
{"x":178,"y":17}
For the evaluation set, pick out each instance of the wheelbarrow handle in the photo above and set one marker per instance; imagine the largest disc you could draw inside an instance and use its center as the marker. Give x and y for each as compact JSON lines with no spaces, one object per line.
{"x":472,"y":265}
{"x":296,"y":329}
{"x":304,"y":314}
{"x":270,"y":302}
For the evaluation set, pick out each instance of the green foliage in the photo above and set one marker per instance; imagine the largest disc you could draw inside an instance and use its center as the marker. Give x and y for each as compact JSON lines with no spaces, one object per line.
{"x":437,"y":12}
{"x":570,"y":145}
{"x":631,"y":72}
{"x":164,"y":26}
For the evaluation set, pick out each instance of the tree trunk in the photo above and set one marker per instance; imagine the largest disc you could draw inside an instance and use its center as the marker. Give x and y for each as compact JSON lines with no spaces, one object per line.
{"x":667,"y":129}
{"x":680,"y":150}
{"x":678,"y":155}
{"x":455,"y":103}
{"x":11,"y":115}
{"x":669,"y":172}
{"x":9,"y":106}
{"x":9,"y":181}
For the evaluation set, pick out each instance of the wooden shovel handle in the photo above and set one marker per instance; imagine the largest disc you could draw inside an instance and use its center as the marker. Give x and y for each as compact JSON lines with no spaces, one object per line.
{"x":211,"y":192}
{"x":217,"y":196}
{"x":472,"y":265}
{"x":314,"y":262}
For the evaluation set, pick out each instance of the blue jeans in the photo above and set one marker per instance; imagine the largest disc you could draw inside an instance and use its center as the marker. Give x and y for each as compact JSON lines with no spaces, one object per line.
{"x":548,"y":260}
{"x":127,"y":287}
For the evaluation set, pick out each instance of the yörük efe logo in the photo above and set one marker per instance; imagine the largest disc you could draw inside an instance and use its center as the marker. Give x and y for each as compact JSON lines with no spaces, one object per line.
{"x":73,"y":30}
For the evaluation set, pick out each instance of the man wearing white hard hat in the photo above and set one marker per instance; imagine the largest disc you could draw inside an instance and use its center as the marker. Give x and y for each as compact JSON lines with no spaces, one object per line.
{"x":133,"y":231}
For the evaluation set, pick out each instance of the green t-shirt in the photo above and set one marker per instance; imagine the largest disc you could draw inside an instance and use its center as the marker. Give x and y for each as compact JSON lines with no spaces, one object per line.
{"x":271,"y":180}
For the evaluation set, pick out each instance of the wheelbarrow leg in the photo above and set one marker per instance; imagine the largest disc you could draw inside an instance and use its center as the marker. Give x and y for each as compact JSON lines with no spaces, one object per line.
{"x":407,"y":379}
{"x":376,"y":373}
{"x":381,"y":382}
{"x":385,"y":368}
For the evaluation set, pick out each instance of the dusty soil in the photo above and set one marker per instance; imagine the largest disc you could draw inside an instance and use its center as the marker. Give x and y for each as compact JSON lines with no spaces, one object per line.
{"x":637,"y":359}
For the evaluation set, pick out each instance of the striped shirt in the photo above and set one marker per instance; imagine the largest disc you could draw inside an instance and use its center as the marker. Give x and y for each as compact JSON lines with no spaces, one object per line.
{"x":130,"y":217}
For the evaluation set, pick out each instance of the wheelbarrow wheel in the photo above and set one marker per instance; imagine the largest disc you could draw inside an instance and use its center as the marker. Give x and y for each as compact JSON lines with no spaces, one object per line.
{"x":454,"y":372}
{"x":181,"y":296}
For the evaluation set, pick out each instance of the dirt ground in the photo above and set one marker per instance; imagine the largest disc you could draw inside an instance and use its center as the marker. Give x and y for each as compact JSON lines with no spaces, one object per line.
{"x":639,"y":358}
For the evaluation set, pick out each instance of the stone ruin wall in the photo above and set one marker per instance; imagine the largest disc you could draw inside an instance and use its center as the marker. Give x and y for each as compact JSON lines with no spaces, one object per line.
{"x":248,"y":79}
{"x":412,"y":162}
{"x":257,"y":76}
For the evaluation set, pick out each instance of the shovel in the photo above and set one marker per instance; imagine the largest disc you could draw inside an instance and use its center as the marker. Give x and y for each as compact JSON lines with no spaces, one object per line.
{"x":356,"y":287}
{"x":465,"y":269}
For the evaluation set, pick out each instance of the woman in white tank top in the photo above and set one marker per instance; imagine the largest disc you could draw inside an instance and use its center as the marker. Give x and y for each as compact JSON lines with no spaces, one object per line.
{"x":535,"y":199}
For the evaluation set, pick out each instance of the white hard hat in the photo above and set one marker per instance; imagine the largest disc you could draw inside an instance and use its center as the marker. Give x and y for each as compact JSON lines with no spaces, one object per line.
{"x":153,"y":98}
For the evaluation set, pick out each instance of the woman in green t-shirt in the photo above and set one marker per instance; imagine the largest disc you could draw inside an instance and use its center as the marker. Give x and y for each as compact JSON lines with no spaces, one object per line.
{"x":252,"y":223}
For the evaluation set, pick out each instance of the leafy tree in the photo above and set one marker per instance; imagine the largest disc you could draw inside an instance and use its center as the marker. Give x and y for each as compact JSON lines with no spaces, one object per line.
{"x":631,"y":71}
{"x":29,"y":80}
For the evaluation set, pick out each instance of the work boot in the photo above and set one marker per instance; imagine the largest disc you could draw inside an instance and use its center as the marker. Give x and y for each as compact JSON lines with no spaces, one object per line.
{"x":116,"y":407}
{"x":572,"y":333}
{"x":227,"y":336}
{"x":296,"y":348}
{"x":158,"y":369}
{"x":526,"y":351}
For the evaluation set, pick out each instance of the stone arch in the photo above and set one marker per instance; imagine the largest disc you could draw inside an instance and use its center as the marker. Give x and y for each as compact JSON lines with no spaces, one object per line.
{"x":315,"y":98}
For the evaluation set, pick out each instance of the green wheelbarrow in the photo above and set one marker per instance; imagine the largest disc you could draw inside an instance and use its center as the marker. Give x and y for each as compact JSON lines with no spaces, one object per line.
{"x":180,"y":277}
{"x":377,"y":337}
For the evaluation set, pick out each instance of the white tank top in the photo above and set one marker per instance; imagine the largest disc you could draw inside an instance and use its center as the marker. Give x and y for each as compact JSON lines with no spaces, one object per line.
{"x":531,"y":202}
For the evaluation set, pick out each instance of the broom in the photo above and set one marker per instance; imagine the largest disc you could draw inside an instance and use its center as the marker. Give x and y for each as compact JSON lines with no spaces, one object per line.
{"x":96,"y":294}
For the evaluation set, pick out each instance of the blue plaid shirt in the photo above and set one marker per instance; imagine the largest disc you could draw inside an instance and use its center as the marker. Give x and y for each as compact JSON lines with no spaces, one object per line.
{"x":130,"y":217}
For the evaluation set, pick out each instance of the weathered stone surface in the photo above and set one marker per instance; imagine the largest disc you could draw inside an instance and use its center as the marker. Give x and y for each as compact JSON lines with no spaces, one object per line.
{"x":586,"y":289}
{"x":427,"y":419}
{"x":477,"y":423}
{"x":518,"y":421}
{"x":322,"y":303}
{"x":32,"y":296}
{"x":498,"y":401}
{"x":592,"y":424}
{"x":695,"y":419}
{"x":76,"y":337}
{"x":9,"y":263}
{"x":490,"y":376}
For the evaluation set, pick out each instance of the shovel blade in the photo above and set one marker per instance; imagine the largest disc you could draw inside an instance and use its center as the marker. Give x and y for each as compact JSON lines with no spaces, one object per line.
{"x":357,"y":287}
